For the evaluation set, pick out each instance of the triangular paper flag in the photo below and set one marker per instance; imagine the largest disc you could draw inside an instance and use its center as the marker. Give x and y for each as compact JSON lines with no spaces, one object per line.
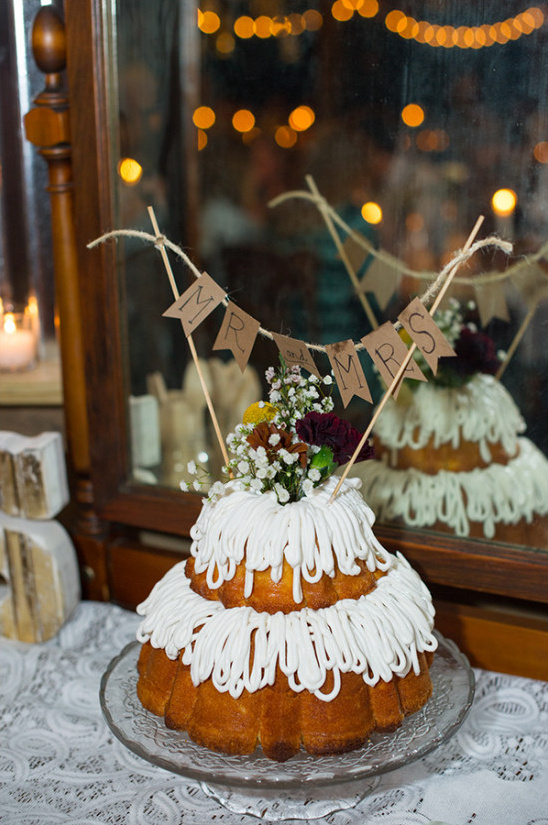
{"x":388,"y":352}
{"x":196,"y":303}
{"x":355,"y":251}
{"x":491,"y":302}
{"x":382,"y":280}
{"x":532,"y":283}
{"x":348,"y":371}
{"x":425,"y":333}
{"x":295,"y":352}
{"x":238,"y":333}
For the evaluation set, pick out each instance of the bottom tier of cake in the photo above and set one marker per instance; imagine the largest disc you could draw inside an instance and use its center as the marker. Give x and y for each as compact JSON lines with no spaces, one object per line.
{"x":276,"y":717}
{"x":506,"y":502}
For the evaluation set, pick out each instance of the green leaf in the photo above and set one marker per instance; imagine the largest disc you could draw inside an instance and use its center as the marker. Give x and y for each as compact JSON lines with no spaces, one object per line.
{"x":323,"y":461}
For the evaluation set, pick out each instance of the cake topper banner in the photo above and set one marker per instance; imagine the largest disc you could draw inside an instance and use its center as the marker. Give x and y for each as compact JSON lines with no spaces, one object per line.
{"x":348,"y":372}
{"x":295,"y":353}
{"x":238,"y":333}
{"x":382,"y":280}
{"x":395,"y":266}
{"x":388,"y":352}
{"x":196,"y":303}
{"x":491,"y":302}
{"x":420,"y":326}
{"x":239,"y":329}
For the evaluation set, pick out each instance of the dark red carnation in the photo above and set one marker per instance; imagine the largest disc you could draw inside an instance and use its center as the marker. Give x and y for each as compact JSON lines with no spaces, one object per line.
{"x":327,"y":429}
{"x":475,"y":353}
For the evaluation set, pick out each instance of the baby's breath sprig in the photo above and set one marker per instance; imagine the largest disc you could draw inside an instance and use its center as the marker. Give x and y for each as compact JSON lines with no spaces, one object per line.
{"x":288,"y":445}
{"x":294,"y":395}
{"x":201,"y":482}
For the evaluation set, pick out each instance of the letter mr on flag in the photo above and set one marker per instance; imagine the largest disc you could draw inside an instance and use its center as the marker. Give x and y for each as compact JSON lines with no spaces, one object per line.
{"x":196,"y":303}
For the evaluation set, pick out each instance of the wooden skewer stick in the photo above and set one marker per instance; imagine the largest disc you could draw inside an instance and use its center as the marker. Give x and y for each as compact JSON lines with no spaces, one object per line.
{"x":342,"y":252}
{"x":405,"y":362}
{"x":517,"y":339}
{"x":175,"y":291}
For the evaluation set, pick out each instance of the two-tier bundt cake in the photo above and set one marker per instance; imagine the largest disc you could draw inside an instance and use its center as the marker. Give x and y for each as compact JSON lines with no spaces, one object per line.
{"x":451,"y":454}
{"x":290,"y":626}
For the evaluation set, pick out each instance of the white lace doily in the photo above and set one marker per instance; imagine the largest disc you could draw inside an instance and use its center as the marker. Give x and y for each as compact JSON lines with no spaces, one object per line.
{"x":61,"y":764}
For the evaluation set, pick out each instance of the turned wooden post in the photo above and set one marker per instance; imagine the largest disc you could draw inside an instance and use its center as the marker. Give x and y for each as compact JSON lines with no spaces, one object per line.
{"x":48,"y":127}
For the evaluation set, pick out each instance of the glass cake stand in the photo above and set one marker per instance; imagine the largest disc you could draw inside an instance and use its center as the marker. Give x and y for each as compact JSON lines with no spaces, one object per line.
{"x":304,"y":787}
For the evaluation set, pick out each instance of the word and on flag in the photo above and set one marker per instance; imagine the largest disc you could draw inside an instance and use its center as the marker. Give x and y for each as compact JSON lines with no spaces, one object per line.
{"x":387,"y":350}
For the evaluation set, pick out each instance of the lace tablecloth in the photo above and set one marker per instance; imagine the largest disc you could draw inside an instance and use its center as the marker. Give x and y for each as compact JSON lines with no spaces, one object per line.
{"x":60,"y":762}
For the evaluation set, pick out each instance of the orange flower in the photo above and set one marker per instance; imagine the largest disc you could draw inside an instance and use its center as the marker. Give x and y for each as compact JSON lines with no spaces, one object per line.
{"x":260,"y":437}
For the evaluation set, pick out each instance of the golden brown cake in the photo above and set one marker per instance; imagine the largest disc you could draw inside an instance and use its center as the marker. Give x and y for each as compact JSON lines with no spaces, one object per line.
{"x":456,"y":459}
{"x":289,"y":627}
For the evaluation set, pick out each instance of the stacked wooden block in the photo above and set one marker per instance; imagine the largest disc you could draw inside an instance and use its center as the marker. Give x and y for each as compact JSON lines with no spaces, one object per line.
{"x":40,"y":584}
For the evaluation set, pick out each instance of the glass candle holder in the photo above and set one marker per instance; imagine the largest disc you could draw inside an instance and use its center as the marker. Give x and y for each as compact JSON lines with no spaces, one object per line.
{"x":17,"y":342}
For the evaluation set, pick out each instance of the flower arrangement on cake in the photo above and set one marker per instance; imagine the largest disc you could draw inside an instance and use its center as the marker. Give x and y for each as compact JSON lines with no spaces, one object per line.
{"x":291,"y":443}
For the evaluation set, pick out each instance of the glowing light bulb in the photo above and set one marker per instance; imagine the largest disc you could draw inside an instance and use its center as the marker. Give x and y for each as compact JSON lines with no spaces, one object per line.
{"x":412,"y":114}
{"x":243,"y":120}
{"x":302,"y":118}
{"x":371,"y":212}
{"x":130,"y":171}
{"x":203,"y":117}
{"x":504,"y":201}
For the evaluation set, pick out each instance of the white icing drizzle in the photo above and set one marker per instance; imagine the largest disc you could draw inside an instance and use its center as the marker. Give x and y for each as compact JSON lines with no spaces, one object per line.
{"x":481,"y":411}
{"x":309,"y":534}
{"x":497,"y":494}
{"x":378,"y":635}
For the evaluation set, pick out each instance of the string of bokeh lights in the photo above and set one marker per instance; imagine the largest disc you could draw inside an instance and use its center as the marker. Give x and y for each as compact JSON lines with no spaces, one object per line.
{"x":303,"y":117}
{"x":396,"y":21}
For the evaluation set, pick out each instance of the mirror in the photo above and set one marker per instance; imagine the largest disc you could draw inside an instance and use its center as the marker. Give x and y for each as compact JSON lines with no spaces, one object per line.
{"x":410,"y":120}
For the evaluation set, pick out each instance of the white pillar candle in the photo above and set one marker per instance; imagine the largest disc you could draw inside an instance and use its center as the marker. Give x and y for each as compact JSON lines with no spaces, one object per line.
{"x":17,"y":343}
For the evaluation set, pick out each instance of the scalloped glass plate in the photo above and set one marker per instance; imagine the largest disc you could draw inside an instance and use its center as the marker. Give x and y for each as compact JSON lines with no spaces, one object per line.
{"x":147,"y":735}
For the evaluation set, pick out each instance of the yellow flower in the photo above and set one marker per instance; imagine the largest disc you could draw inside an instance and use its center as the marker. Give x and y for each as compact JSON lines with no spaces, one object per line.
{"x":259,"y":411}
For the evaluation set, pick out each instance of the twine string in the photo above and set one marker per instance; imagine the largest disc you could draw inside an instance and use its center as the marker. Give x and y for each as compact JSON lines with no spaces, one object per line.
{"x":459,"y":258}
{"x":456,"y":263}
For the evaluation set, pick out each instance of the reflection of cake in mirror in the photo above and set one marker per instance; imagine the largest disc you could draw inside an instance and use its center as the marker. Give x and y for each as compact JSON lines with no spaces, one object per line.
{"x":290,"y":626}
{"x":451,"y":453}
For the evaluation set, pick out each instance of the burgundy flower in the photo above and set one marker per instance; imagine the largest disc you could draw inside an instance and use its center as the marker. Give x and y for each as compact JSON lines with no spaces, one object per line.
{"x":475,"y":353}
{"x":327,"y":429}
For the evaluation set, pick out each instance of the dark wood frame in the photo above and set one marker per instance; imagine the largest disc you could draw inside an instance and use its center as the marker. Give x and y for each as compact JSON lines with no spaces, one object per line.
{"x":111,"y":513}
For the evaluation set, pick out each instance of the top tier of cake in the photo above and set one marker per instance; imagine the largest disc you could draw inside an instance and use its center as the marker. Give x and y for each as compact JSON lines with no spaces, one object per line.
{"x":314,"y":536}
{"x":481,"y":412}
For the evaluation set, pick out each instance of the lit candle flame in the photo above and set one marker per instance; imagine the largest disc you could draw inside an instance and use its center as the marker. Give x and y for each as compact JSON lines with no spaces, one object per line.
{"x":9,"y":323}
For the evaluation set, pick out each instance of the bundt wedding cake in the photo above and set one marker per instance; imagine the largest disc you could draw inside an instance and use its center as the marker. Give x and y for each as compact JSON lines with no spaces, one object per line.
{"x":290,"y":626}
{"x":451,"y":453}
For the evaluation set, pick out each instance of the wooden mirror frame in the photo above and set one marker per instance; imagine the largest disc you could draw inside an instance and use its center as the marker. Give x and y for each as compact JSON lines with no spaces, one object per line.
{"x":111,"y":514}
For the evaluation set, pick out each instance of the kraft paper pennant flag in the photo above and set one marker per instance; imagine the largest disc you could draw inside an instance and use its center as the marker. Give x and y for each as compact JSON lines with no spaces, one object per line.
{"x":532,"y":283}
{"x":238,"y":333}
{"x":196,"y":303}
{"x":426,"y":334}
{"x":348,"y":371}
{"x":388,"y":352}
{"x":355,"y":251}
{"x":491,"y":302}
{"x":382,"y":280}
{"x":295,"y":352}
